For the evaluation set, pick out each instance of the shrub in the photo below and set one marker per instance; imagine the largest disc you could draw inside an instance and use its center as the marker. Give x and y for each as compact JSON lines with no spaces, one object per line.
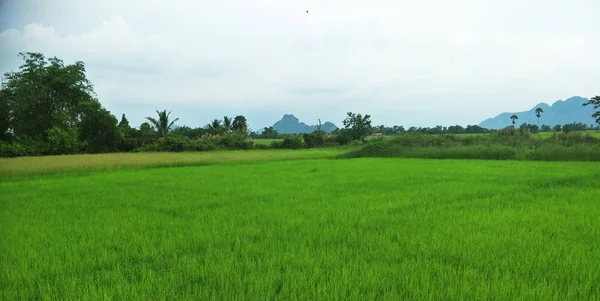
{"x":235,"y":141}
{"x":17,"y":149}
{"x":316,"y":139}
{"x":62,"y":141}
{"x":294,"y":142}
{"x":201,"y":145}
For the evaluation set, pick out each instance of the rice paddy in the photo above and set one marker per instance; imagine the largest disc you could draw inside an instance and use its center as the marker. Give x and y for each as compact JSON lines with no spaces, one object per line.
{"x":277,"y":228}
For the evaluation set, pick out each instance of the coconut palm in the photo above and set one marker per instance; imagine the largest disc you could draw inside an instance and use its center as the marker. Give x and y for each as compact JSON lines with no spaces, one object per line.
{"x":162,"y":125}
{"x":227,"y":124}
{"x":514,"y":117}
{"x":215,"y":127}
{"x":538,"y":114}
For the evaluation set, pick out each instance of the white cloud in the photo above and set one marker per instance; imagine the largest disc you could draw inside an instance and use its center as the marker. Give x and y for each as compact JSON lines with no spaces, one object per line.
{"x":412,"y":63}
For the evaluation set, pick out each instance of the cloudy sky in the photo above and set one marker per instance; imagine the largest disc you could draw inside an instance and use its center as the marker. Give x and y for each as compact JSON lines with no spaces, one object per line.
{"x":420,"y":63}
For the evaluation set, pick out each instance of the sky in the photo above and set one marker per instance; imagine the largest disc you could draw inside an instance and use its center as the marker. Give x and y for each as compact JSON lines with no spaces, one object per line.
{"x":410,"y":63}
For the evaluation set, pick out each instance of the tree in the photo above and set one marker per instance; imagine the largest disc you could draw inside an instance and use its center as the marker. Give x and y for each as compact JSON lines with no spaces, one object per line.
{"x":546,"y":128}
{"x":162,"y":125}
{"x":356,"y":127}
{"x":538,"y":114}
{"x":4,"y":116}
{"x":45,"y":94}
{"x":595,"y":103}
{"x":240,"y":124}
{"x":99,"y":128}
{"x":146,"y":134}
{"x":124,"y":123}
{"x":226,"y":124}
{"x":269,"y":133}
{"x":215,"y":127}
{"x":514,"y":118}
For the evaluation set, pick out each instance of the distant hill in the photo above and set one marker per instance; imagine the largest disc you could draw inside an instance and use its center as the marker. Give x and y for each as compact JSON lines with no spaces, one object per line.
{"x":289,"y":124}
{"x":561,"y":112}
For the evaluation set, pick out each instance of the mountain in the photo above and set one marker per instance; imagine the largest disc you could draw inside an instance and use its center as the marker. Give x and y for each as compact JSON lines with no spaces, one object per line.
{"x":561,"y":112}
{"x":289,"y":124}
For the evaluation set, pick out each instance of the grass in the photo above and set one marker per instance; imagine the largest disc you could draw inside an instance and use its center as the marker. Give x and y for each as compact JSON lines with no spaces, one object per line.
{"x":361,"y":229}
{"x":265,"y":141}
{"x":505,"y":145}
{"x":31,"y":166}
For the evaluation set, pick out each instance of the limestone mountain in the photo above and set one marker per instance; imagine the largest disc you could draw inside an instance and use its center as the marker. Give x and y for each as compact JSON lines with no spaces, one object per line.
{"x":560,"y":112}
{"x":289,"y":124}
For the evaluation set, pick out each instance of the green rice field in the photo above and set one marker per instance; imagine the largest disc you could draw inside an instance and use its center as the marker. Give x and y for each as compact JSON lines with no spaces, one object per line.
{"x":266,"y":225}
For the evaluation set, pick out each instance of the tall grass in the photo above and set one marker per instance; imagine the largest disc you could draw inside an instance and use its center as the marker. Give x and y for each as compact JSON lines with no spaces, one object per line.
{"x":504,"y":145}
{"x":34,"y":166}
{"x":364,"y":229}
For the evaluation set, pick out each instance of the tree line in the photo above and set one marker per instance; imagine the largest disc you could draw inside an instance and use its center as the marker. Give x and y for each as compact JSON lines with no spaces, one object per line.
{"x":48,"y":107}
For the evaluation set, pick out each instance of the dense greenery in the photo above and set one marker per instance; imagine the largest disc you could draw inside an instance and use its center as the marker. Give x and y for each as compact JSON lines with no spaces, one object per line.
{"x":49,"y":108}
{"x":305,"y":230}
{"x":506,"y":144}
{"x":595,"y":103}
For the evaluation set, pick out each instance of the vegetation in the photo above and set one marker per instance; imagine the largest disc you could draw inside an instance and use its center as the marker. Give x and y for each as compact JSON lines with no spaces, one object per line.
{"x":14,"y":168}
{"x":595,"y":103}
{"x":538,"y":114}
{"x":508,"y":144}
{"x":425,"y":229}
{"x":356,"y":128}
{"x":49,"y":108}
{"x":262,"y":223}
{"x":162,"y":124}
{"x":514,"y":118}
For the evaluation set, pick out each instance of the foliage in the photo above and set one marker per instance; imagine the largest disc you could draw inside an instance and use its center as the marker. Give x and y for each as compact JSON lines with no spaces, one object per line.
{"x":315,"y":139}
{"x":595,"y":103}
{"x":514,"y":118}
{"x":292,"y":142}
{"x":235,"y":141}
{"x":162,"y":124}
{"x":99,"y":128}
{"x":20,"y":149}
{"x":227,"y":127}
{"x":506,"y":144}
{"x":538,"y":114}
{"x":269,"y":133}
{"x":45,"y":94}
{"x":189,"y":132}
{"x":215,"y":127}
{"x":4,"y":117}
{"x":62,"y":141}
{"x":356,"y":127}
{"x":240,"y":124}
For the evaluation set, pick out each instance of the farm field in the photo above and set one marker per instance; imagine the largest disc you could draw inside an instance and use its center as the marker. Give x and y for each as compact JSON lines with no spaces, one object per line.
{"x":32,"y":166}
{"x":314,"y":229}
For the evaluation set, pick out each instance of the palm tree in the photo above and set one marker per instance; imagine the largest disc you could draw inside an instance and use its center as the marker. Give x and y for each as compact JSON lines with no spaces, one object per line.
{"x":227,"y":124}
{"x":215,"y":126}
{"x":240,"y":124}
{"x":514,"y":117}
{"x":162,"y":125}
{"x":538,"y":113}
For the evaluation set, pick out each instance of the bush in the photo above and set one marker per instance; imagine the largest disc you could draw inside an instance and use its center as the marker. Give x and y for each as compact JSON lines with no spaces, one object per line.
{"x":62,"y":141}
{"x":316,"y":139}
{"x":507,"y":144}
{"x":235,"y":141}
{"x":128,"y":144}
{"x":16,"y":149}
{"x":294,"y":142}
{"x":201,"y":145}
{"x":171,"y":143}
